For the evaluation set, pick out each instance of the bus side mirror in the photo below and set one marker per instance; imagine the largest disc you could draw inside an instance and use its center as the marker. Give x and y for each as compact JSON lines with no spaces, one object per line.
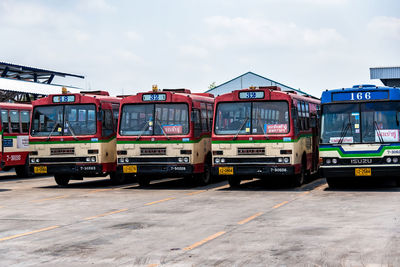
{"x":313,"y":122}
{"x":100,"y":114}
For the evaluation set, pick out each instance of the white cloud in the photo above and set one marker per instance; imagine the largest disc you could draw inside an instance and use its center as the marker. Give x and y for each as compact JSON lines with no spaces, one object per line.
{"x":95,"y":5}
{"x":385,"y":27}
{"x":193,"y":51}
{"x":133,"y":36}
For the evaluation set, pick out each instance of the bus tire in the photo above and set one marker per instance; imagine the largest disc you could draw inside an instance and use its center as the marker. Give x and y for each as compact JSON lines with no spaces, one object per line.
{"x":117,"y":178}
{"x":61,"y":180}
{"x":23,"y":171}
{"x":298,"y":179}
{"x":205,"y":177}
{"x":143,"y":181}
{"x":234,"y":182}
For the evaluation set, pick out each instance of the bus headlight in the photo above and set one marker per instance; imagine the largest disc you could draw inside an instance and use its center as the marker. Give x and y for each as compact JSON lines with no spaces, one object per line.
{"x":334,"y":161}
{"x":32,"y":160}
{"x":328,"y":161}
{"x":280,"y":160}
{"x":286,"y":159}
{"x":121,"y":160}
{"x":216,"y":160}
{"x":37,"y":160}
{"x":88,"y":159}
{"x":186,"y":159}
{"x":388,"y":160}
{"x":395,"y":160}
{"x":222,"y":160}
{"x":126,"y":160}
{"x":93,"y":159}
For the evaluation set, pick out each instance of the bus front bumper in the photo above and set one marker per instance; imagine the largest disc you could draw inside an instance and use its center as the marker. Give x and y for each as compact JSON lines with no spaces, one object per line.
{"x":72,"y":169}
{"x":251,"y":171}
{"x":384,"y":171}
{"x":165,"y":170}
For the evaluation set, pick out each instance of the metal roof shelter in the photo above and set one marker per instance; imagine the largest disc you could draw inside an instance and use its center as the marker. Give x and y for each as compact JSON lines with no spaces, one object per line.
{"x":389,"y":76}
{"x":24,"y":84}
{"x":250,"y":79}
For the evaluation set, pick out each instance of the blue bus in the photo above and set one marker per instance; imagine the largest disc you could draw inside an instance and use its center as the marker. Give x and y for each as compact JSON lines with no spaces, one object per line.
{"x":360,"y":133}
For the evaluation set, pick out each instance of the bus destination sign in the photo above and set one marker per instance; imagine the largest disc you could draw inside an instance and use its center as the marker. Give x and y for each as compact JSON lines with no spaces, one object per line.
{"x":360,"y":96}
{"x":63,"y":98}
{"x":251,"y":95}
{"x":154,"y":97}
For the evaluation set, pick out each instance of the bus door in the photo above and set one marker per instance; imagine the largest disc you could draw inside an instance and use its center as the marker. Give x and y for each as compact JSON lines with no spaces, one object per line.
{"x":315,"y":140}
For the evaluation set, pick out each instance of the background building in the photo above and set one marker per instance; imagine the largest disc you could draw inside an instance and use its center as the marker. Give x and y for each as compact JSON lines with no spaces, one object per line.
{"x":245,"y":81}
{"x":389,"y":76}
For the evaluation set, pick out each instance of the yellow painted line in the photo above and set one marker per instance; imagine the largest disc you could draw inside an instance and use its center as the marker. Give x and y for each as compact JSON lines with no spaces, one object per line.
{"x":104,"y":214}
{"x":51,"y":198}
{"x":221,"y":187}
{"x":250,"y":218}
{"x":99,"y":190}
{"x":195,"y":193}
{"x":29,"y":233}
{"x":159,"y":201}
{"x":211,"y":237}
{"x":280,"y":204}
{"x":152,"y":265}
{"x":305,"y":193}
{"x":321,"y":187}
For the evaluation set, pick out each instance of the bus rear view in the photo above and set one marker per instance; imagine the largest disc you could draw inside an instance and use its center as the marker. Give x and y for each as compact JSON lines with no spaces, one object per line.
{"x":360,"y":133}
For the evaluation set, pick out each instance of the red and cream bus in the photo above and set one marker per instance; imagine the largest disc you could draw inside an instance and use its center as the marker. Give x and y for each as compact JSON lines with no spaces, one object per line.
{"x":73,"y":136}
{"x":15,"y":119}
{"x":264,"y":132}
{"x":165,"y":134}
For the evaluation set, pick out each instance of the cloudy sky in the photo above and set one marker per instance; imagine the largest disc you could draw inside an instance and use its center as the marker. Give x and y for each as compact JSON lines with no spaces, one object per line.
{"x":125,"y":46}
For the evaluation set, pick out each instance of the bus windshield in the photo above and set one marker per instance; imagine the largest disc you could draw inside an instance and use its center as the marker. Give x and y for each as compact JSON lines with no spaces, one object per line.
{"x":374,"y":122}
{"x":244,"y":118}
{"x":154,"y":119}
{"x":64,"y":120}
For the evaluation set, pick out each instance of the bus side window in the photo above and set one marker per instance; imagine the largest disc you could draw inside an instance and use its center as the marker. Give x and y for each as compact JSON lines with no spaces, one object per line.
{"x":4,"y":121}
{"x":115,"y":110}
{"x":108,"y":127}
{"x":307,"y":115}
{"x":25,"y":120}
{"x":196,"y":122}
{"x":14,"y":119}
{"x":210,"y":115}
{"x":299,"y":116}
{"x":204,"y":122}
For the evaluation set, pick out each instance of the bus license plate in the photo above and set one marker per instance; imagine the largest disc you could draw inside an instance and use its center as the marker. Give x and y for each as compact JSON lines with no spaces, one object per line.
{"x":40,"y":169}
{"x":363,"y":171}
{"x":129,"y":169}
{"x":225,"y":170}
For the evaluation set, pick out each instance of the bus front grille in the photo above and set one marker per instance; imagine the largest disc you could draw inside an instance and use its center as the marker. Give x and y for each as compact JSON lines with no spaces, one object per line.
{"x":153,"y":151}
{"x":251,"y":151}
{"x":62,"y":151}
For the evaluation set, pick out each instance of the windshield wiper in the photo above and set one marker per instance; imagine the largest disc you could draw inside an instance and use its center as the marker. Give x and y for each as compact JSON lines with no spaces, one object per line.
{"x":344,"y":132}
{"x":238,"y":131}
{"x":55,"y":126}
{"x":143,"y":129}
{"x":259,"y":121}
{"x":70,"y":129}
{"x":379,"y":132}
{"x":162,"y":130}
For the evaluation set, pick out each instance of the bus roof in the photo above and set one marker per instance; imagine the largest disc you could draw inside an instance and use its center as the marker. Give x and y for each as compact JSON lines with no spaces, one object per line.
{"x":170,"y":94}
{"x":274,"y":92}
{"x":368,"y":93}
{"x":14,"y":105}
{"x":95,"y":97}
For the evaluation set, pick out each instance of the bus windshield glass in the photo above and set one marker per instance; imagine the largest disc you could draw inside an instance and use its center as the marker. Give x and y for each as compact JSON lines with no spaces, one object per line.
{"x":154,"y":119}
{"x":259,"y":118}
{"x":374,"y":122}
{"x":64,"y":120}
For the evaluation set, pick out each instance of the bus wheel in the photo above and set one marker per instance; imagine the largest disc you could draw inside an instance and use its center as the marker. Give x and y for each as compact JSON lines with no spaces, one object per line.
{"x":117,"y":178}
{"x":298,"y":179}
{"x":23,"y":171}
{"x":143,"y":181}
{"x":61,"y":180}
{"x":205,"y":177}
{"x":234,"y":182}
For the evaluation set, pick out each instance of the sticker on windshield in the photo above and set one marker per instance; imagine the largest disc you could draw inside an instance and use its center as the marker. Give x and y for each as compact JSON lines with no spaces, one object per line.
{"x":59,"y":129}
{"x":247,"y":130}
{"x":356,"y":126}
{"x":172,"y":129}
{"x":387,"y":135}
{"x":275,"y":128}
{"x":335,"y":140}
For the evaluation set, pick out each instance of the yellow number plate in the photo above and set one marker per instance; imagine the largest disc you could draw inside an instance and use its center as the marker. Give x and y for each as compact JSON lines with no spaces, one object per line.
{"x":129,"y":169}
{"x":225,"y":170}
{"x":40,"y":169}
{"x":363,"y":171}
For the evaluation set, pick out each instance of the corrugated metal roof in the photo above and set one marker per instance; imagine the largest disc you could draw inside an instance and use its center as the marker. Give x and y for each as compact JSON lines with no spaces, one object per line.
{"x":33,"y":88}
{"x":385,"y":73}
{"x":245,"y":81}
